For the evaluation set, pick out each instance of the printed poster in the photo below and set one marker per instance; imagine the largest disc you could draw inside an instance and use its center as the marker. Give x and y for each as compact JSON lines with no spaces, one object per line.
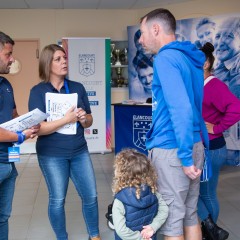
{"x":224,"y":33}
{"x":89,"y":64}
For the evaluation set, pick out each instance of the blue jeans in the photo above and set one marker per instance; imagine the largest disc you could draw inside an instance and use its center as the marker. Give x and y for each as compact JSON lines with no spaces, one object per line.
{"x":8,"y":175}
{"x":233,"y":158}
{"x":208,"y":201}
{"x":57,"y":171}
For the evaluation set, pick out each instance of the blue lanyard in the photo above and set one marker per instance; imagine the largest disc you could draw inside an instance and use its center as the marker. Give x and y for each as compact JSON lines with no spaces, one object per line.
{"x":66,"y":86}
{"x":67,"y":92}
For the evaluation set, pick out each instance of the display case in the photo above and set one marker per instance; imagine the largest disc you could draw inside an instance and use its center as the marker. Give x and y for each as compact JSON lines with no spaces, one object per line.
{"x":119,"y":64}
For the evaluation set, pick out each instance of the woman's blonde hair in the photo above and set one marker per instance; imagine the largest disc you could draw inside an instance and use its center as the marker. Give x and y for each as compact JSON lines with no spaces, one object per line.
{"x":45,"y":61}
{"x":133,"y":169}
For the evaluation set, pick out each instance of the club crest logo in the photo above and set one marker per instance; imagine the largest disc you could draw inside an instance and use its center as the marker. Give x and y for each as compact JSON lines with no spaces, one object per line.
{"x":141,"y":125}
{"x":86,"y":64}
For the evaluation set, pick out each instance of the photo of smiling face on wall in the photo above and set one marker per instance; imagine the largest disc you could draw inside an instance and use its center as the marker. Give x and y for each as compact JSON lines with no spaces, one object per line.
{"x":224,"y":33}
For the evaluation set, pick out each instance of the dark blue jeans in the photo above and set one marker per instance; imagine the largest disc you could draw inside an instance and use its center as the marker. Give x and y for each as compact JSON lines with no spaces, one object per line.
{"x":233,"y":158}
{"x":57,"y":171}
{"x":8,"y":175}
{"x":208,"y":200}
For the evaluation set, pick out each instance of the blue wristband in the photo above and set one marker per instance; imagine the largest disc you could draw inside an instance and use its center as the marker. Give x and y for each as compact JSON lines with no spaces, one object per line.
{"x":21,"y":137}
{"x":24,"y":136}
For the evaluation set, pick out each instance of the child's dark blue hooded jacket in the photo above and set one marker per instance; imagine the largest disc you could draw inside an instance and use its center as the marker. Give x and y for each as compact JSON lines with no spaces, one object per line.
{"x":139,"y":212}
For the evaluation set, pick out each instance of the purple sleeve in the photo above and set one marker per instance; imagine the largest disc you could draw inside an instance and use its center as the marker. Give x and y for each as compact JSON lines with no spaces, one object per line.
{"x":228,"y":104}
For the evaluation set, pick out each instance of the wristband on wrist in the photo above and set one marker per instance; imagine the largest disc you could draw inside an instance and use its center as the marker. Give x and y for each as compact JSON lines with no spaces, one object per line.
{"x":21,"y":137}
{"x":24,"y":136}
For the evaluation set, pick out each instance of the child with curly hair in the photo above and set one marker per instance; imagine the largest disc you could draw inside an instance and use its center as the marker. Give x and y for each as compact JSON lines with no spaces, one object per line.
{"x":138,"y":209}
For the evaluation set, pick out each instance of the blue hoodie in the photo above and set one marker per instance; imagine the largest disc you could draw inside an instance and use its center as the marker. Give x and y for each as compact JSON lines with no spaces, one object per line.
{"x":177,"y":99}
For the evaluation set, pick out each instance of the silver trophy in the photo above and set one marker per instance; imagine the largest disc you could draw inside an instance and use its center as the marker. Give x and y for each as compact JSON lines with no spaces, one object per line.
{"x":124,"y":56}
{"x":117,"y":53}
{"x":113,"y":59}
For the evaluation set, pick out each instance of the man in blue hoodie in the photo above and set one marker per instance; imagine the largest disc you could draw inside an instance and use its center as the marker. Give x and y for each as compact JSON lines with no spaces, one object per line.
{"x":174,"y":139}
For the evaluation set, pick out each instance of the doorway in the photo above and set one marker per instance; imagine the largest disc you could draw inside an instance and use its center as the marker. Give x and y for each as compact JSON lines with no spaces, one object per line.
{"x":23,"y":77}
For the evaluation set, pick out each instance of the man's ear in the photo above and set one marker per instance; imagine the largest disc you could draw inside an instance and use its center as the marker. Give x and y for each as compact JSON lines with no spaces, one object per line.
{"x":156,"y":29}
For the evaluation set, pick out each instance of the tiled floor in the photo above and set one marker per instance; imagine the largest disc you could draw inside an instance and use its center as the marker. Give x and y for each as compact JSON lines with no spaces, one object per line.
{"x":29,"y":219}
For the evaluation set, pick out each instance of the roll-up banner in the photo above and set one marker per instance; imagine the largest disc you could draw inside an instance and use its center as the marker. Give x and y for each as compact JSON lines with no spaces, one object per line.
{"x":89,"y":64}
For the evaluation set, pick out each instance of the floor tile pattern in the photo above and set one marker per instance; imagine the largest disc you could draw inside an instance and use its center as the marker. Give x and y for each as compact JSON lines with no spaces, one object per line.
{"x":29,"y":220}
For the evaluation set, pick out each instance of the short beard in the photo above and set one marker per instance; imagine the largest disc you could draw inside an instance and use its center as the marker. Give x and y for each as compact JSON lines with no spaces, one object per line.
{"x":4,"y":70}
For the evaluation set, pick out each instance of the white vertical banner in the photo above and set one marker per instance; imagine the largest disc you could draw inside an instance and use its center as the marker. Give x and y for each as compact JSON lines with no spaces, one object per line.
{"x":89,"y":64}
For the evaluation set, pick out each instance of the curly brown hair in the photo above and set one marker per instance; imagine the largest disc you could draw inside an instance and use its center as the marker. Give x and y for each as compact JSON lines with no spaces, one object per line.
{"x":133,"y":169}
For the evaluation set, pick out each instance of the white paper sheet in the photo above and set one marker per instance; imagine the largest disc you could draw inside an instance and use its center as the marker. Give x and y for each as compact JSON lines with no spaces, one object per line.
{"x":57,"y":105}
{"x":25,"y":121}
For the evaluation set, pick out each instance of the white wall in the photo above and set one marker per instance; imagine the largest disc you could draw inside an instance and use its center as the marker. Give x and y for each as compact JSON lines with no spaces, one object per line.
{"x":51,"y":25}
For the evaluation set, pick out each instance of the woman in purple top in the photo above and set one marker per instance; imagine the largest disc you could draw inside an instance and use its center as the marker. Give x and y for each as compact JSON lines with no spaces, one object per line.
{"x":221,"y":109}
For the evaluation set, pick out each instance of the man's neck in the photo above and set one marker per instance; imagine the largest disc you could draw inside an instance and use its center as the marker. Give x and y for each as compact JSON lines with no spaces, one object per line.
{"x":166,"y":39}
